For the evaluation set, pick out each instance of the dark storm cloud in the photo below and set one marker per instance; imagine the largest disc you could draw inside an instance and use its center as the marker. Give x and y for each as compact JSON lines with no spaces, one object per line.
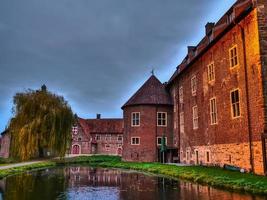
{"x":94,"y":52}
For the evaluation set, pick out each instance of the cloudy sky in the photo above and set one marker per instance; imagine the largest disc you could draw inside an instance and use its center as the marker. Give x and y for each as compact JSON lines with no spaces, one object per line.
{"x":96,"y":53}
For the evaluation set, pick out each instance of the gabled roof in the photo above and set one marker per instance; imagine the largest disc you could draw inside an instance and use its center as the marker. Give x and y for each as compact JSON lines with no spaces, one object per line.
{"x":105,"y":126}
{"x":153,"y":92}
{"x":4,"y":132}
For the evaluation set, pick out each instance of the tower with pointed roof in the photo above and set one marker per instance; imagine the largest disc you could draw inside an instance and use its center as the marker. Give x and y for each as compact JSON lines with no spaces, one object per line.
{"x":147,"y":119}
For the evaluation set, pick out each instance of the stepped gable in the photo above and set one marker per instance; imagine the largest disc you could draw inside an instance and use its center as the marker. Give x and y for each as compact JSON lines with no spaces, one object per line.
{"x":153,"y":92}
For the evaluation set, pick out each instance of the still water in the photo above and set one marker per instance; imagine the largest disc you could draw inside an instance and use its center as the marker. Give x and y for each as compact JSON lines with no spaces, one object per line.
{"x":81,"y":182}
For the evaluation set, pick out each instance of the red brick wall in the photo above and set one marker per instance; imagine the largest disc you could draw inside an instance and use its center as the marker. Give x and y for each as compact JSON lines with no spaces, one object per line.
{"x":5,"y":145}
{"x":112,"y":141}
{"x":148,"y":132}
{"x":86,"y":136}
{"x":228,"y":130}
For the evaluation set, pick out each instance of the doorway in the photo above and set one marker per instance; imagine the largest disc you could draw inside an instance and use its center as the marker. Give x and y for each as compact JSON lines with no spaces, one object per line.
{"x":75,"y":149}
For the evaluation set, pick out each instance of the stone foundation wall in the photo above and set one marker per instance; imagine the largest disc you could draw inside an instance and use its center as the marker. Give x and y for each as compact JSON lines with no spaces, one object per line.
{"x":236,"y":154}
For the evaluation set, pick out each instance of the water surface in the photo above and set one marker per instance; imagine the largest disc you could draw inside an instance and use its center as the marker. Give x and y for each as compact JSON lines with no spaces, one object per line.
{"x":82,"y":183}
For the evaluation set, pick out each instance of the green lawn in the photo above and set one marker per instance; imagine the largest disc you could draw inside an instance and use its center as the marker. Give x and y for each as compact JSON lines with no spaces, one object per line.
{"x":216,"y":177}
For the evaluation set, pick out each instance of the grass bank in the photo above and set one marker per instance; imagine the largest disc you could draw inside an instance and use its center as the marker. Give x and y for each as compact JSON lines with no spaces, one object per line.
{"x":17,"y":170}
{"x":216,"y":177}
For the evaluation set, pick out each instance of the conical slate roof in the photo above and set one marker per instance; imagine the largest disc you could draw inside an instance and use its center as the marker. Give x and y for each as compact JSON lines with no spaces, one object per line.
{"x":152,"y":92}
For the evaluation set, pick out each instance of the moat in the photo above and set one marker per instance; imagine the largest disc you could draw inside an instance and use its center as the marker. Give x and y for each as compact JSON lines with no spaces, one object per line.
{"x":82,"y":182}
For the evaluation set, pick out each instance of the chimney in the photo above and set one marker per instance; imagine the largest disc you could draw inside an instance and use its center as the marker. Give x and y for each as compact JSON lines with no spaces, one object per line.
{"x":98,"y":116}
{"x":209,"y":26}
{"x":190,"y":49}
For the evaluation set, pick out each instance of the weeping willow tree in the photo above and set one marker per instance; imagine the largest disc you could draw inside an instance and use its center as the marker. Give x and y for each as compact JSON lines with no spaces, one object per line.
{"x":42,"y":122}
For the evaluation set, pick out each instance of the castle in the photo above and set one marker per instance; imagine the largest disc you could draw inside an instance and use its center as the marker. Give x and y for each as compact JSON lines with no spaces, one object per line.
{"x":213,"y":110}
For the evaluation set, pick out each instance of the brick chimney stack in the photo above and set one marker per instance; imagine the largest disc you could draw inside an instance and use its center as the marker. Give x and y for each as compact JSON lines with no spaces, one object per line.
{"x":209,"y":26}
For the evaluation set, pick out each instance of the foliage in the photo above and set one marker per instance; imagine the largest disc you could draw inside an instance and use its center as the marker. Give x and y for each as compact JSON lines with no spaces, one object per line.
{"x":17,"y":170}
{"x":42,"y":122}
{"x":6,"y":160}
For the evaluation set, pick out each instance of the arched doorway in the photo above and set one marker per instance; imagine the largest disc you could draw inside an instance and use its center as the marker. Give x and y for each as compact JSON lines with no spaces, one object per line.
{"x":76,"y":149}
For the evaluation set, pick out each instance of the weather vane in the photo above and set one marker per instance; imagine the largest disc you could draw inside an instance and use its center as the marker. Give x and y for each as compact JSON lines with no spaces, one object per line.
{"x":152,"y":71}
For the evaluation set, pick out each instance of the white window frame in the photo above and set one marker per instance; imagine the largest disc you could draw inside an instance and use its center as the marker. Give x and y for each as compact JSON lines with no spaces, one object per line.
{"x":166,"y":140}
{"x":181,"y":121}
{"x":211,"y":72}
{"x":233,"y":58}
{"x":162,"y":119}
{"x":75,"y":130}
{"x":194,"y":85}
{"x":134,"y":119}
{"x":235,"y":104}
{"x":195,"y":117}
{"x":107,"y":147}
{"x":134,"y":143}
{"x":213,"y":111}
{"x":120,"y":136}
{"x":181,"y":94}
{"x":98,"y":136}
{"x":108,"y":137}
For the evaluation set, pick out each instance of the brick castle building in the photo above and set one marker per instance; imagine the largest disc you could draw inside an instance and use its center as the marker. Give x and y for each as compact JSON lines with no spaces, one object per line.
{"x":148,"y":117}
{"x":220,"y":92}
{"x":97,"y":136}
{"x":212,"y":111}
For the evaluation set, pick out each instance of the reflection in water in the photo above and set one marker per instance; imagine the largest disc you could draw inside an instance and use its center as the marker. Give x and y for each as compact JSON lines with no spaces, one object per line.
{"x":111,"y":184}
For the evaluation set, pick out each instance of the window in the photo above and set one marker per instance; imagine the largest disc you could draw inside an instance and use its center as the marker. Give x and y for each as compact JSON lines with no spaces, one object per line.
{"x":135,"y":140}
{"x":98,"y":137}
{"x":194,"y":85}
{"x":181,"y":95}
{"x":182,"y":122}
{"x":235,"y":102}
{"x":188,"y":155}
{"x":108,"y":137}
{"x":233,"y":56}
{"x":120,"y":138}
{"x":207,"y":156}
{"x":107,"y":147}
{"x":162,"y":119}
{"x":195,"y":117}
{"x":211,"y":72}
{"x":196,"y":157}
{"x":75,"y":130}
{"x":136,"y":119}
{"x":159,"y":140}
{"x":79,"y":139}
{"x":213,"y":111}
